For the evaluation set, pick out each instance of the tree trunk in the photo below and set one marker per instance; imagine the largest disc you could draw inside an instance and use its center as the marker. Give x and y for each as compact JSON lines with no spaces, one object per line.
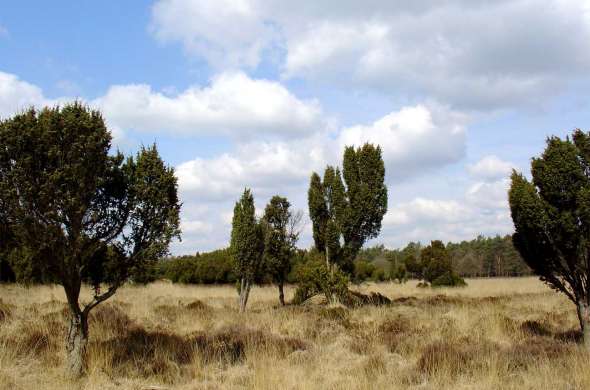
{"x":584,"y":317}
{"x":244,"y":293}
{"x":76,"y":344}
{"x":281,"y":294}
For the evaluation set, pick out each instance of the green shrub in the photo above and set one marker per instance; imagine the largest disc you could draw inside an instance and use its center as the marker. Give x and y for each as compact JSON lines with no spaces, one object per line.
{"x":315,"y":278}
{"x":399,"y":273}
{"x":449,"y":279}
{"x":378,"y":274}
{"x":363,"y":270}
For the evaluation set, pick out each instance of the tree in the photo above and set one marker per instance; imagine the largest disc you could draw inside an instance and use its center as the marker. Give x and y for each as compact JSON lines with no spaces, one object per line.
{"x":551,"y":217}
{"x":247,"y":244}
{"x":280,"y":236}
{"x":81,"y":213}
{"x":345,"y":217}
{"x":436,"y":265}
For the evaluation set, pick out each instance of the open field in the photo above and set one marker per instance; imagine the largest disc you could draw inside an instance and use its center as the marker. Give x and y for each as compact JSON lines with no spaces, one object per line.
{"x":494,"y":334}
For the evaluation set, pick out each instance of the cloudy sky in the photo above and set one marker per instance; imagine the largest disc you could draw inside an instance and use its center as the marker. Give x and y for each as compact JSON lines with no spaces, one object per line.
{"x":260,"y":93}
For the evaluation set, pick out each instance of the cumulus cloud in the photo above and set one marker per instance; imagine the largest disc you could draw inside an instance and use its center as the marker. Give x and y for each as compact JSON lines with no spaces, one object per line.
{"x":17,"y":95}
{"x":489,"y":195}
{"x":413,"y":139}
{"x":490,"y":168}
{"x":208,"y":28}
{"x":416,"y":48}
{"x":483,"y":210}
{"x":233,"y":105}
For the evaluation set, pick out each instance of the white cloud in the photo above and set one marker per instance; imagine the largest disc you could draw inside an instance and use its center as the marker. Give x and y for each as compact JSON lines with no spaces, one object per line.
{"x":482,"y":210}
{"x":489,"y":195}
{"x":17,"y":95}
{"x":417,"y":49}
{"x":413,"y":139}
{"x":191,"y":227}
{"x":232,"y":105}
{"x":209,"y":29}
{"x":265,"y":167}
{"x":490,"y":168}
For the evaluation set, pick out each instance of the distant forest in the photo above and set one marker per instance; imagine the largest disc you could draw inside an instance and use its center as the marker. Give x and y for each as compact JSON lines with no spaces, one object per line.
{"x":481,"y":257}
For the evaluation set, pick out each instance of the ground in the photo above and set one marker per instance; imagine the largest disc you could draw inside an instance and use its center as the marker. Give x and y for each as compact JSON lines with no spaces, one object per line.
{"x":494,"y":334}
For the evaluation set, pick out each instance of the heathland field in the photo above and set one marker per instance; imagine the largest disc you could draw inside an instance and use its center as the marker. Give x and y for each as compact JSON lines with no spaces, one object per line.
{"x":493,"y":334}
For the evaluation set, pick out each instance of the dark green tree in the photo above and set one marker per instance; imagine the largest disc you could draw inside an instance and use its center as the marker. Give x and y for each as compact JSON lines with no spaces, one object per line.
{"x":434,"y":266}
{"x":344,"y":217}
{"x":247,"y":245}
{"x":551,"y":217}
{"x":280,"y":236}
{"x":80,"y":212}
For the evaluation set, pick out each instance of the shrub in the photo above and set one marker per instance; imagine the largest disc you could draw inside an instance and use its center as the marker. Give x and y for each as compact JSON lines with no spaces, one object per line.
{"x":363,"y":270}
{"x":399,"y":273}
{"x":449,"y":279}
{"x":315,"y":278}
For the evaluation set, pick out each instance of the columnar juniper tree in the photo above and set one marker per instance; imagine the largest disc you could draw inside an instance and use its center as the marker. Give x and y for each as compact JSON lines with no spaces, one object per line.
{"x":551,"y":216}
{"x":247,"y":244}
{"x":345,"y":217}
{"x":82,"y":213}
{"x":280,"y":237}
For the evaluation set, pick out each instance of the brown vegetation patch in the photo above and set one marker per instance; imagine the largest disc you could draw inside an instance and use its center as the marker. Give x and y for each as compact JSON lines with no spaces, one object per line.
{"x":109,"y":317}
{"x":535,"y":328}
{"x":357,"y":299}
{"x":528,"y":352}
{"x":167,"y":313}
{"x":396,"y":332}
{"x":198,"y":306}
{"x":454,"y":357}
{"x":337,"y":314}
{"x":5,"y":311}
{"x":36,"y":339}
{"x":451,"y":358}
{"x":147,"y":353}
{"x":230,"y":344}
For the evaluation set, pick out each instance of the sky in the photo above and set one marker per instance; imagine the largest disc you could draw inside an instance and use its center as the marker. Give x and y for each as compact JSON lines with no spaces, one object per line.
{"x":261,"y":93}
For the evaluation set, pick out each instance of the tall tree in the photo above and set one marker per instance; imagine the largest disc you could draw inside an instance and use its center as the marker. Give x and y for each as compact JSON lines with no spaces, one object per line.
{"x":551,"y":217}
{"x":347,"y":214}
{"x":280,"y":236}
{"x":247,"y":244}
{"x":81,"y":213}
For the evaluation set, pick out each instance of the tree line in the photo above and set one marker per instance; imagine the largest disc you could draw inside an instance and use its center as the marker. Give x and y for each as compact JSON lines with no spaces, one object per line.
{"x":480,"y":257}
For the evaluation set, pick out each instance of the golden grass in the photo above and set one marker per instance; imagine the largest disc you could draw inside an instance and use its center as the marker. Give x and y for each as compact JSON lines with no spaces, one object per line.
{"x":493,"y":334}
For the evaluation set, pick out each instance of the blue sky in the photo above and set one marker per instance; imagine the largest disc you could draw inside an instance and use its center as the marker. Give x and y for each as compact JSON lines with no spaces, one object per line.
{"x":260,"y":93}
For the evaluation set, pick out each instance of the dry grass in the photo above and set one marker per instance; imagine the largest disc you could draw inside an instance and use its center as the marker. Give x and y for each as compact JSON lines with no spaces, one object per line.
{"x":494,"y":334}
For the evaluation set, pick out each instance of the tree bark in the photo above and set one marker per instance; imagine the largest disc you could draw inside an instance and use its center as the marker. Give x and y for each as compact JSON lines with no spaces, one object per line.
{"x":281,"y":294}
{"x":77,"y":341}
{"x":584,"y":318}
{"x":244,"y":293}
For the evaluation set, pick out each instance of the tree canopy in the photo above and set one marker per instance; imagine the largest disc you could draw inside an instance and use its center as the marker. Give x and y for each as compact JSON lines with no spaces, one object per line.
{"x":78,"y":212}
{"x":247,"y":244}
{"x":347,"y":214}
{"x":551,"y":217}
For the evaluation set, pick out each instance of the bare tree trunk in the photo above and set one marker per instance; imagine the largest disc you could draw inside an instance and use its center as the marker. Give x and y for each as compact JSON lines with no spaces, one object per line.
{"x":244,"y":293}
{"x":584,"y":317}
{"x":76,"y":343}
{"x":281,"y":294}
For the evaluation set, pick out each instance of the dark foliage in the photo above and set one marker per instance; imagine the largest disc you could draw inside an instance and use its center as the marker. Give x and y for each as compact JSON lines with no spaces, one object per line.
{"x":551,"y":216}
